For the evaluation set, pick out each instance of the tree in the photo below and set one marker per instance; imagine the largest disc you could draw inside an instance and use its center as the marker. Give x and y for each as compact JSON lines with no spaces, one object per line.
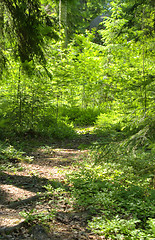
{"x":2,"y":58}
{"x":63,"y":19}
{"x":129,"y":34}
{"x":29,"y":25}
{"x":76,"y":15}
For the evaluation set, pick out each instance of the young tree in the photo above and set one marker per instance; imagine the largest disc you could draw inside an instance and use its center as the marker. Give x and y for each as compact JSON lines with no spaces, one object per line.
{"x":130,"y":33}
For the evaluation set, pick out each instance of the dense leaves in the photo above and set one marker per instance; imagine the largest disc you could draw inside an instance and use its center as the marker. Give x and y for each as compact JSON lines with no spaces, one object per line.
{"x":28,"y":25}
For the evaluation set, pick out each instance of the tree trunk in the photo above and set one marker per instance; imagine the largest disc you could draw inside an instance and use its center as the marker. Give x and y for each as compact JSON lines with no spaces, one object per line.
{"x":63,"y":20}
{"x":2,"y":59}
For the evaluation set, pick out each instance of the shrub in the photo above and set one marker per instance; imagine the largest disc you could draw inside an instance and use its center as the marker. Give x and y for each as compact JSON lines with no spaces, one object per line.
{"x":79,"y":116}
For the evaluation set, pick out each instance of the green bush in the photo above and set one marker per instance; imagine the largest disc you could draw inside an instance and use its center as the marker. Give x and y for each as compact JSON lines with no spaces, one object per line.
{"x":47,"y":126}
{"x":61,"y":130}
{"x":9,"y":153}
{"x":79,"y":116}
{"x":109,"y":121}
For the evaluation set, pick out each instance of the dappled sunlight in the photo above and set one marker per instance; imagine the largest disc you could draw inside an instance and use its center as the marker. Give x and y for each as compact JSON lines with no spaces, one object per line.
{"x":57,"y":157}
{"x":10,"y":220}
{"x":14,"y":193}
{"x":77,"y":123}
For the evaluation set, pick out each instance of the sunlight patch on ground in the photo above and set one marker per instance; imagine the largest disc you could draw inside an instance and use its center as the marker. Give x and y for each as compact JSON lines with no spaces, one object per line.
{"x":14,"y":193}
{"x":9,"y":221}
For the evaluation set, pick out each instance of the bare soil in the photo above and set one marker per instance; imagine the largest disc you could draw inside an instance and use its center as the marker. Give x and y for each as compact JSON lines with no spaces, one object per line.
{"x":22,"y":188}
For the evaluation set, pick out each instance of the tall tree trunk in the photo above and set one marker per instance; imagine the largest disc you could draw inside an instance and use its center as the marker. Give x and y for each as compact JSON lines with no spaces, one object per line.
{"x":63,"y":20}
{"x":2,"y":59}
{"x":19,"y":98}
{"x":143,"y":67}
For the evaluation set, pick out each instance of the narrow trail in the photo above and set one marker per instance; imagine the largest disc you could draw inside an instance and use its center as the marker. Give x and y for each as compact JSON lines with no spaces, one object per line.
{"x":19,"y":188}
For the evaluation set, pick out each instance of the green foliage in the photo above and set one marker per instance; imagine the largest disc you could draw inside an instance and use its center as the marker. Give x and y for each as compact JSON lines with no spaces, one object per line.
{"x":118,"y":228}
{"x":116,"y":182}
{"x":120,"y":192}
{"x":107,"y":121}
{"x":79,"y":116}
{"x":38,"y":217}
{"x":128,"y":131}
{"x":28,"y":26}
{"x":151,"y":223}
{"x":9,"y":153}
{"x":61,"y":130}
{"x":110,"y":85}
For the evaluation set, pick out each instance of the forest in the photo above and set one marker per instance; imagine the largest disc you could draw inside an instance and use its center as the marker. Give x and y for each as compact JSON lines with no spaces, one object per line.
{"x":77,"y":119}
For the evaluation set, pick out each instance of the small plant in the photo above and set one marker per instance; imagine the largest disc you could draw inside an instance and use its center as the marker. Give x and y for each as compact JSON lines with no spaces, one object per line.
{"x":10,"y":153}
{"x":117,"y":186}
{"x":35,"y":217}
{"x":151,"y":224}
{"x":117,"y":228}
{"x":11,"y":167}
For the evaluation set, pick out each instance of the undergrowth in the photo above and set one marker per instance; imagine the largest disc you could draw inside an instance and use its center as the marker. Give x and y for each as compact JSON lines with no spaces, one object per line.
{"x":47,"y":127}
{"x":116,"y":182}
{"x":79,"y":116}
{"x":9,"y":153}
{"x":10,"y":158}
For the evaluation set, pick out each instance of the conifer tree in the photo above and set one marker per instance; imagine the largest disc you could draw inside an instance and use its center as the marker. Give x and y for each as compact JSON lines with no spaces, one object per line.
{"x":29,"y":25}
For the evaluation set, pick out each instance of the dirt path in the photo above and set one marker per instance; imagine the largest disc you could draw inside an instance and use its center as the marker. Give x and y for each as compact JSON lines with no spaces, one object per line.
{"x":23,"y":190}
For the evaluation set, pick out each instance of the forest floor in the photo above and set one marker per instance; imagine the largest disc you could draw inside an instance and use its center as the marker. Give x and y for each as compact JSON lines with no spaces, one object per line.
{"x":22,"y":189}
